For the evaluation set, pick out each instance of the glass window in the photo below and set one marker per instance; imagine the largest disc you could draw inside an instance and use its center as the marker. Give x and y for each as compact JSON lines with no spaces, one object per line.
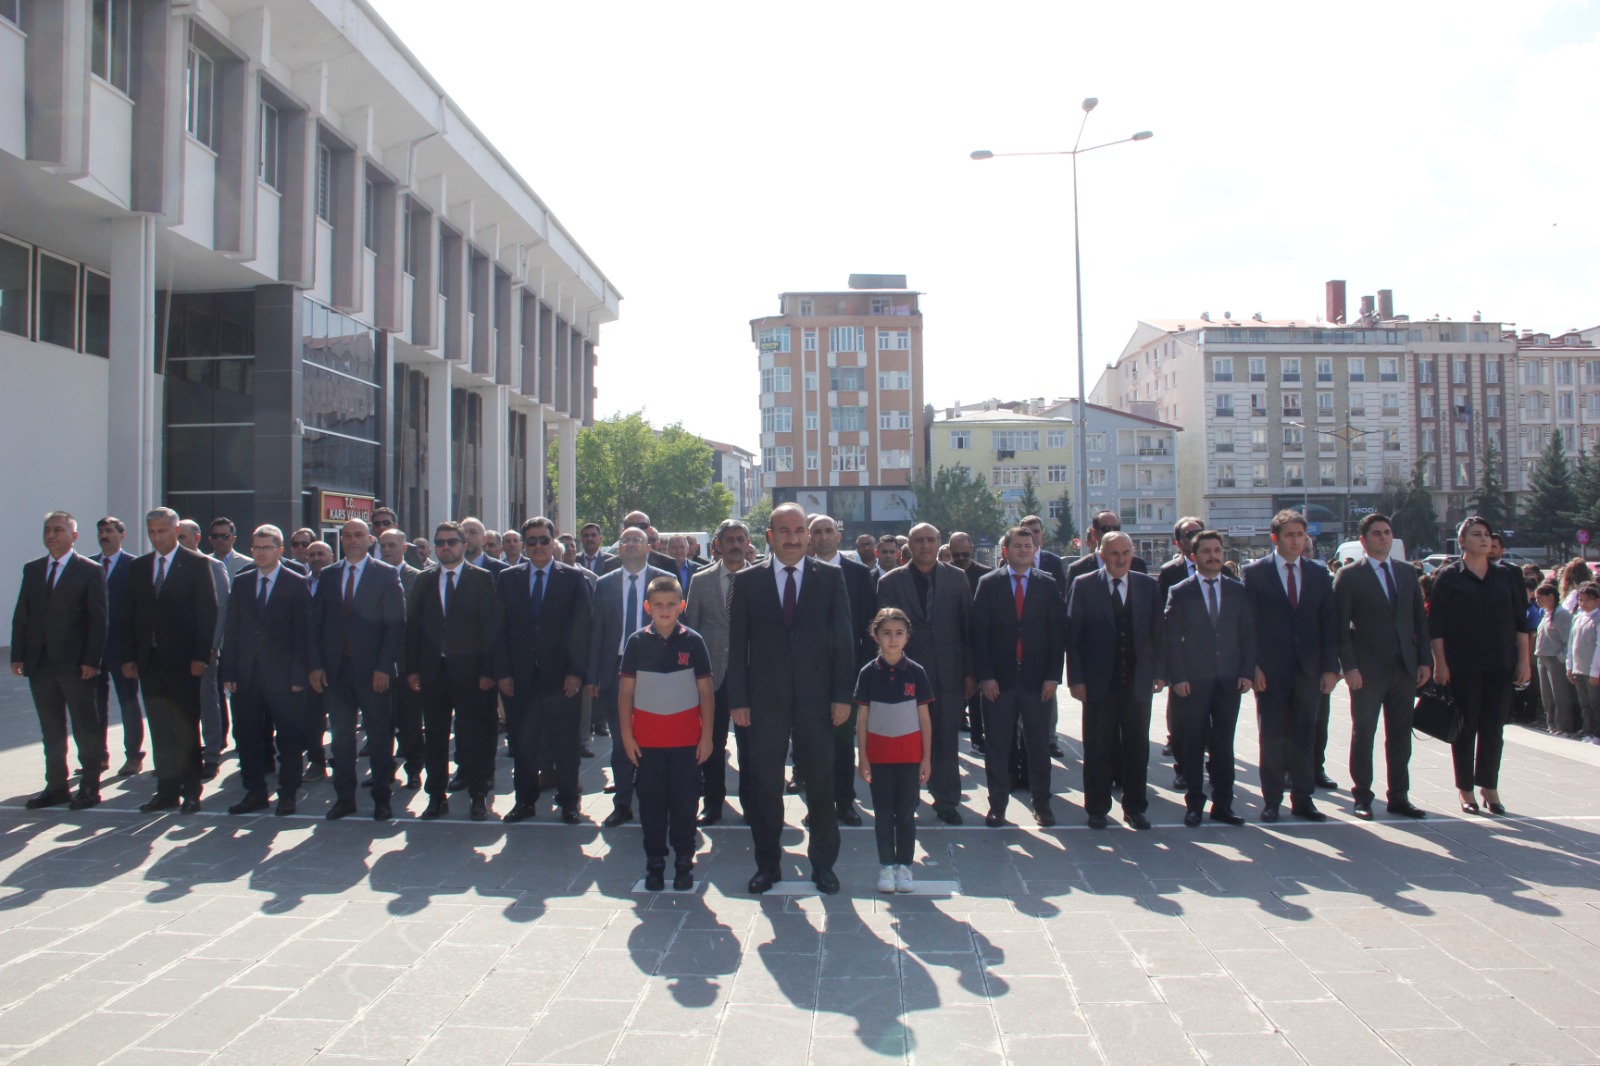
{"x":16,"y":269}
{"x":1258,"y":437}
{"x":1325,"y":403}
{"x":1225,"y":475}
{"x":1358,"y":368}
{"x":894,"y":419}
{"x":1224,"y":439}
{"x":847,"y":419}
{"x":848,"y":457}
{"x":811,"y":460}
{"x":1056,"y":474}
{"x":1258,"y":473}
{"x":894,"y":340}
{"x":807,"y":309}
{"x":96,"y":314}
{"x":1258,"y":369}
{"x":847,"y":379}
{"x":811,"y":419}
{"x":1291,"y":404}
{"x":960,"y":439}
{"x":57,"y":311}
{"x":1222,"y":368}
{"x":1095,"y":442}
{"x":1325,"y":370}
{"x":1294,"y":474}
{"x":1055,"y":438}
{"x":325,"y":189}
{"x":267,"y":163}
{"x":111,"y":37}
{"x":1291,"y":368}
{"x":847,"y":338}
{"x":777,"y":379}
{"x":199,"y":94}
{"x":1014,"y":440}
{"x":774,"y":339}
{"x":369,"y":218}
{"x":894,"y":379}
{"x":1294,"y":437}
{"x":808,"y":339}
{"x":1491,"y":371}
{"x":1388,"y":369}
{"x":1224,"y":406}
{"x":777,"y":419}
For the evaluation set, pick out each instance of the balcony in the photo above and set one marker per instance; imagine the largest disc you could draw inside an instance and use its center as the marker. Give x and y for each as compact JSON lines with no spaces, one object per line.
{"x":1225,"y":412}
{"x":1147,"y":452}
{"x":1289,"y":412}
{"x":1258,"y":412}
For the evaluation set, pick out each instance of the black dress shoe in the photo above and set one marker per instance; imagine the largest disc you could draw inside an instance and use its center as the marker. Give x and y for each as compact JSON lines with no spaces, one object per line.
{"x":1308,"y":812}
{"x":587,"y":751}
{"x":1406,"y":809}
{"x":1227,"y":816}
{"x":1363,"y":811}
{"x":1166,"y":751}
{"x":208,"y":771}
{"x":520,"y":812}
{"x":382,"y":811}
{"x":413,"y":780}
{"x":436,"y":807}
{"x":316,"y":770}
{"x":949,"y":815}
{"x":683,"y":881}
{"x":1056,"y":752}
{"x":160,"y":803}
{"x":1326,"y":783}
{"x":1044,"y":816}
{"x":285,"y":807}
{"x":601,"y":729}
{"x":1269,"y":814}
{"x":341,"y":808}
{"x":479,"y":811}
{"x":252,"y":802}
{"x":570,"y":815}
{"x":708,"y":818}
{"x":1180,"y":783}
{"x":618,"y":816}
{"x":977,"y":747}
{"x":655,"y":880}
{"x":49,"y":798}
{"x":795,"y":786}
{"x":1097,"y":821}
{"x":457,"y":782}
{"x":189,"y":806}
{"x":85,"y":798}
{"x":827,"y":881}
{"x":994,"y":819}
{"x":1136,"y":819}
{"x":760,"y":881}
{"x":848,"y":814}
{"x":1191,"y":818}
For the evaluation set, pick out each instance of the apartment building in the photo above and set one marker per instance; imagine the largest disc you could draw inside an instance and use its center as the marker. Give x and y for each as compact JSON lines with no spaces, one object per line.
{"x":1007,"y":444}
{"x":1132,"y":463}
{"x":735,"y":468}
{"x":840,"y":378}
{"x":264,"y":267}
{"x":1555,"y":387}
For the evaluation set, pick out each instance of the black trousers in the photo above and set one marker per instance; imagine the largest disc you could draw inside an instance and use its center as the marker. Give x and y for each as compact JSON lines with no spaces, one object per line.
{"x":767,"y":745}
{"x":62,"y":697}
{"x":622,"y":768}
{"x":316,"y":727}
{"x":1286,"y":715}
{"x":410,"y":747}
{"x":668,"y":785}
{"x":1116,"y":746}
{"x":342,"y":699}
{"x":1319,"y":742}
{"x":894,"y":811}
{"x":1485,"y":700}
{"x":472,"y":710}
{"x":975,"y":719}
{"x":844,"y":760}
{"x":127,"y":690}
{"x":1002,"y":718}
{"x":944,"y":777}
{"x":714,"y":771}
{"x":172,"y":704}
{"x":1206,"y":720}
{"x":542,"y":730}
{"x":259,"y":713}
{"x":1393,"y":694}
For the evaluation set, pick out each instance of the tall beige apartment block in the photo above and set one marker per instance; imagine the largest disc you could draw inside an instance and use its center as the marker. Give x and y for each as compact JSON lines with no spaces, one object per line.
{"x":841,"y":401}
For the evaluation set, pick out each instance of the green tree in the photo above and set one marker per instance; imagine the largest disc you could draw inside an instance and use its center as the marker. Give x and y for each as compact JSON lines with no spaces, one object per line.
{"x":1028,"y":503}
{"x":1064,"y":529}
{"x":955,"y":501}
{"x":1547,"y":510}
{"x":1411,"y":512}
{"x":624,"y":464}
{"x":1490,"y":499}
{"x":1586,"y":492}
{"x":757,"y":519}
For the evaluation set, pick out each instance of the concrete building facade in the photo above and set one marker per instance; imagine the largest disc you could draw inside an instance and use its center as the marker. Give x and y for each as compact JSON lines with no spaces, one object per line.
{"x":735,"y":468}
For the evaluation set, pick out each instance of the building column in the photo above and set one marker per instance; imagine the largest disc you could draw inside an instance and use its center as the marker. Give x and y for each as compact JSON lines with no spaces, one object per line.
{"x":567,"y":472}
{"x":280,"y":397}
{"x":496,"y":443}
{"x":536,"y":460}
{"x":133,"y":457}
{"x":440,"y":459}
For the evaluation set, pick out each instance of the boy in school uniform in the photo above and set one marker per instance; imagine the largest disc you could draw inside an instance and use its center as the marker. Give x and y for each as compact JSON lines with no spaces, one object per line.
{"x":665,"y":712}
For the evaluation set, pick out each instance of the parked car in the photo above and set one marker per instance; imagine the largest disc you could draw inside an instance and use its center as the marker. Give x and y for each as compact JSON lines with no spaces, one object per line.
{"x":1350,"y":552}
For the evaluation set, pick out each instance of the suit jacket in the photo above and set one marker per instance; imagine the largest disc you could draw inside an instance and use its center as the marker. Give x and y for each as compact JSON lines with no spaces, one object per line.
{"x":1200,"y":652}
{"x":1092,"y":634}
{"x":995,"y":629}
{"x":222,"y":583}
{"x":975,"y":571}
{"x":941,"y":640}
{"x":408,"y":577}
{"x":269,"y":648}
{"x":116,"y":606}
{"x":605,"y":622}
{"x":1306,"y":639}
{"x":489,"y":563}
{"x":707,"y":614}
{"x":374,"y":630}
{"x":235,"y":564}
{"x":861,"y":586}
{"x":463,"y":650}
{"x":776,"y":669}
{"x":540,"y":655}
{"x":689,"y":566}
{"x":1371,"y":629}
{"x":1171,"y":573}
{"x":177,"y":627}
{"x":57,"y":630}
{"x":1052,"y":564}
{"x":599,"y":562}
{"x":660,"y":560}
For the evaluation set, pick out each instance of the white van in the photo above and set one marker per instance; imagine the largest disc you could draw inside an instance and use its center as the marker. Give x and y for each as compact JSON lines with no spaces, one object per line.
{"x":1351,"y":551}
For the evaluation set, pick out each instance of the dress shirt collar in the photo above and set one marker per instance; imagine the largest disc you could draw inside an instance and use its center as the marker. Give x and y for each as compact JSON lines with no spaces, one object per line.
{"x":781,"y":577}
{"x":833,"y":562}
{"x":168,"y":557}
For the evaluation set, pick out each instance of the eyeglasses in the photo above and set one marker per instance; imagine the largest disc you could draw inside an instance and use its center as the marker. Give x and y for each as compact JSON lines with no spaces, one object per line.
{"x":222,"y":536}
{"x":299,"y":544}
{"x":536,"y":540}
{"x":264,"y":547}
{"x":960,"y":555}
{"x":445,"y":542}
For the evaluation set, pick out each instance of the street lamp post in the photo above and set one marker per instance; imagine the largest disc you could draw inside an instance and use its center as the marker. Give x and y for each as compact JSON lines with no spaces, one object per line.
{"x":1348,"y":434}
{"x":1077,"y":280}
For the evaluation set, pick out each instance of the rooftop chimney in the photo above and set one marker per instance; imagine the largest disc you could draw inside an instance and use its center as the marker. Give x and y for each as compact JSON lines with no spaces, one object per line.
{"x":1386,"y":304}
{"x":1335,"y":300}
{"x":1368,"y":306}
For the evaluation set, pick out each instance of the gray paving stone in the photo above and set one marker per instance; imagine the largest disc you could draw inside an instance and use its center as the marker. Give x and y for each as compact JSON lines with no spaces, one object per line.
{"x":1138,"y":1033}
{"x":279,"y":1042}
{"x":1328,"y":1034}
{"x":1053,"y":1050}
{"x":462,"y":1045}
{"x":1211,"y":1005}
{"x":1246,"y":1049}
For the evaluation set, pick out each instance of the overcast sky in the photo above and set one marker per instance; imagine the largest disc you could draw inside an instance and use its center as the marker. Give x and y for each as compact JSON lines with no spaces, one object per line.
{"x":710,"y":156}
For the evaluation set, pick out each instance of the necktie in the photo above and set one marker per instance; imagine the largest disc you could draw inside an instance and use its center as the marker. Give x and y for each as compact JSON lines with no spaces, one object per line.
{"x":50,"y":578}
{"x":1388,"y":581}
{"x":1116,"y":590}
{"x":1211,"y":599}
{"x":538,"y":592}
{"x":790,"y":596}
{"x":1294,"y":594}
{"x":630,"y":615}
{"x":1017,"y":597}
{"x":106,"y":562}
{"x":349,"y":586}
{"x":727,"y":590}
{"x":261,"y":592}
{"x":449,"y":592}
{"x":161,"y":572}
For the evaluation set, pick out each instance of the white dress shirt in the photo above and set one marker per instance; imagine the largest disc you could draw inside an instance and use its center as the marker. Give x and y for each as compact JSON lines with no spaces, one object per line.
{"x":782,"y":578}
{"x":444,"y":579}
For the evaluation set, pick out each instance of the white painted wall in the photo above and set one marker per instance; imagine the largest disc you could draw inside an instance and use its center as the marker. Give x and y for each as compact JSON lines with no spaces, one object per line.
{"x":111,"y":140}
{"x":13,"y":122}
{"x":199,"y":194}
{"x":268,"y":206}
{"x":68,"y":455}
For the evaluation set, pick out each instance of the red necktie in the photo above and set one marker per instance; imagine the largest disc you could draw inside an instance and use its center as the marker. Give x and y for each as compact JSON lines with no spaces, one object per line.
{"x":1018,"y":597}
{"x":1294,"y":595}
{"x":349,"y":586}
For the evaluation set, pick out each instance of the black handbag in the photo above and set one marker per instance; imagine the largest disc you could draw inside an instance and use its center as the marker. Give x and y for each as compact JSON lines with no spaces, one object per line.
{"x":1437,"y":714}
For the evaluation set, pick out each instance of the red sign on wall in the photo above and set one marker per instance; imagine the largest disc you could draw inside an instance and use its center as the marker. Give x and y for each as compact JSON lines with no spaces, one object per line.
{"x":337,"y":508}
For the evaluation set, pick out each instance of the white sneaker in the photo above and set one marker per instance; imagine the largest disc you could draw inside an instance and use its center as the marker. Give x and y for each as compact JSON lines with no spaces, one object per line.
{"x":902,"y":879}
{"x":886,"y":879}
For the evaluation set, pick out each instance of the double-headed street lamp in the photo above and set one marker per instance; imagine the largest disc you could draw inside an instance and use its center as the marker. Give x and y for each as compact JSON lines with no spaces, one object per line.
{"x":1077,"y":280}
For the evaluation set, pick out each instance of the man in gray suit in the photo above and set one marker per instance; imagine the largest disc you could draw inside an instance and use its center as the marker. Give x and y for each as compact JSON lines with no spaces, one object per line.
{"x":937,"y":598}
{"x":707,"y":614}
{"x":1385,"y":655}
{"x":408,"y":739}
{"x":223,"y":536}
{"x":213,"y":708}
{"x":619,"y":611}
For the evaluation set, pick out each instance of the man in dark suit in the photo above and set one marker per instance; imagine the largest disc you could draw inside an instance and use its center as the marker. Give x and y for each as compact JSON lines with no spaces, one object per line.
{"x":1114,"y":664}
{"x":791,"y":675}
{"x":358,"y":625}
{"x":591,"y":556}
{"x":938,"y":600}
{"x":683,"y":567}
{"x":707,"y":614}
{"x":542,"y":653}
{"x":117,"y":565}
{"x":640,"y":521}
{"x":168,"y":638}
{"x":409,"y":744}
{"x":1211,"y":659}
{"x":452,"y":631}
{"x":1045,"y":559}
{"x":620,"y":610}
{"x":1297,"y":648}
{"x":859,"y":585}
{"x":265,"y":664}
{"x":1180,"y":567}
{"x":1386,"y":655}
{"x":58,"y":639}
{"x":1018,"y":647}
{"x":477,"y":554}
{"x":961,"y":557}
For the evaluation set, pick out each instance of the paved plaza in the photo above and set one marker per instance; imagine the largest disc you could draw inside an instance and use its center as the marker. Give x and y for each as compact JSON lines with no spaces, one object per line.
{"x":129,"y":938}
